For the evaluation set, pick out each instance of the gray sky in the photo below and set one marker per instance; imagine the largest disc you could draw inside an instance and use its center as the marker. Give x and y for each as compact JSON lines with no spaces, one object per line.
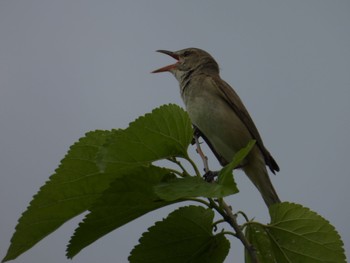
{"x":68,"y":67}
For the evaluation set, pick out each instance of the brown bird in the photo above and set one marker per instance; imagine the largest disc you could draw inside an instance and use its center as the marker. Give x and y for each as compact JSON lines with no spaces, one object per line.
{"x":219,"y":114}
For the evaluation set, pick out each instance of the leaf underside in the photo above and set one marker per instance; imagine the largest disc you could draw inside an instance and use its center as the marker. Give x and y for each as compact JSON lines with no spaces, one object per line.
{"x":184,"y":236}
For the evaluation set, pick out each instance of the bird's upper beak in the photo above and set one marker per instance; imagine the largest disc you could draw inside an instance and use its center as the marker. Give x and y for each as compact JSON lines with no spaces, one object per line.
{"x":169,"y":67}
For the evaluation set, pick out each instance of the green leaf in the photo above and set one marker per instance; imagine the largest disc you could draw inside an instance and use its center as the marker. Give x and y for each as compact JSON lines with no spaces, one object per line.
{"x":184,"y":236}
{"x":225,"y":175}
{"x":164,"y":133}
{"x":258,"y":237}
{"x":295,"y":234}
{"x":70,"y":191}
{"x":92,"y":164}
{"x":128,"y":198}
{"x":188,"y":187}
{"x":300,"y":235}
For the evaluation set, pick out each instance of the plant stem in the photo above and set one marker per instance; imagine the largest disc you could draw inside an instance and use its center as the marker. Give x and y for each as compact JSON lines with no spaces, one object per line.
{"x":232,"y":220}
{"x":194,"y":166}
{"x":198,"y":200}
{"x":226,"y":211}
{"x":184,"y":172}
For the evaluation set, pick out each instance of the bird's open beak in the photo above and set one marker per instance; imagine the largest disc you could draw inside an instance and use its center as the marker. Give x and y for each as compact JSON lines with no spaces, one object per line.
{"x":169,"y":67}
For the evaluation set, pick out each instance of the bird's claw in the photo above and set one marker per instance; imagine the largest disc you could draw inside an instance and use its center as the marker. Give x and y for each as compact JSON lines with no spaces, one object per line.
{"x":210,"y":176}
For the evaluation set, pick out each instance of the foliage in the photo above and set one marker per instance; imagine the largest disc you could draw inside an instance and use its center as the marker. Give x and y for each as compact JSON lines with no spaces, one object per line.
{"x":112,"y":174}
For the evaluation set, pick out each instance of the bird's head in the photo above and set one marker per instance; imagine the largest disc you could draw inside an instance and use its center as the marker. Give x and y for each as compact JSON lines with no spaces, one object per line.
{"x":189,"y":60}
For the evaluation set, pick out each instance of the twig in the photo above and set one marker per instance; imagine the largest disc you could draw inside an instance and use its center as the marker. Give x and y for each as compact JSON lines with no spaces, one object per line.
{"x":184,"y":172}
{"x":215,"y":225}
{"x":201,"y":154}
{"x":244,"y":215}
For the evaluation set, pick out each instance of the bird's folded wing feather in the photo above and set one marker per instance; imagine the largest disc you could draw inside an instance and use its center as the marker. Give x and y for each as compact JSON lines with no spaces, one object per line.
{"x":236,"y":104}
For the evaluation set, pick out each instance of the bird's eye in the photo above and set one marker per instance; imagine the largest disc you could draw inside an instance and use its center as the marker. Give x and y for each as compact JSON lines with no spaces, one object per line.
{"x":187,"y":53}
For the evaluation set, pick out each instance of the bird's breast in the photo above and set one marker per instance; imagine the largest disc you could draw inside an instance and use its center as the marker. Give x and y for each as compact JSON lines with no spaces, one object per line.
{"x":214,"y":117}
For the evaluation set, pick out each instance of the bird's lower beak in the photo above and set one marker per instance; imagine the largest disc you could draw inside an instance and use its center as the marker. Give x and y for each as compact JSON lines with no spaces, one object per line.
{"x":169,"y":67}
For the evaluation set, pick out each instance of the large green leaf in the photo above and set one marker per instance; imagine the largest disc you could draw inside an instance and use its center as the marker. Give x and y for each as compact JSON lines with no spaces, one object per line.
{"x":129,"y":197}
{"x":92,"y":164}
{"x":295,"y":235}
{"x":184,"y":236}
{"x":166,"y":132}
{"x":300,"y":235}
{"x":70,"y":191}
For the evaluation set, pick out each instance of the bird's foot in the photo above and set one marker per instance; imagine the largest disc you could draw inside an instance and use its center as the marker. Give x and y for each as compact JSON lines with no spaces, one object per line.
{"x":210,"y":176}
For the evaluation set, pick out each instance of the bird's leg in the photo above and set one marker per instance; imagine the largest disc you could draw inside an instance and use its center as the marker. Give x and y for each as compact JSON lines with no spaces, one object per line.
{"x":196,"y":135}
{"x":209,"y":176}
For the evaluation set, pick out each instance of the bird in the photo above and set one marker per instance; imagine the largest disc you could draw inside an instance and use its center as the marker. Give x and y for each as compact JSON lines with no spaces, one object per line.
{"x":220,"y":116}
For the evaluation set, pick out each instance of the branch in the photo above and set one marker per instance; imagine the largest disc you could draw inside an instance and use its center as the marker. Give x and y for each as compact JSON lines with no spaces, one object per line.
{"x":227,"y":210}
{"x":239,"y":233}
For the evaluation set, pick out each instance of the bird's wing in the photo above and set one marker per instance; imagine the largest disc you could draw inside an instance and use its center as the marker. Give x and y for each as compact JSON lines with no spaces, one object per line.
{"x":237,"y":105}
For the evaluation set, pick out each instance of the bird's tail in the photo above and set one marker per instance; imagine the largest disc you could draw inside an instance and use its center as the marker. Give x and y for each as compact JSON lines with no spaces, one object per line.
{"x":255,"y":169}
